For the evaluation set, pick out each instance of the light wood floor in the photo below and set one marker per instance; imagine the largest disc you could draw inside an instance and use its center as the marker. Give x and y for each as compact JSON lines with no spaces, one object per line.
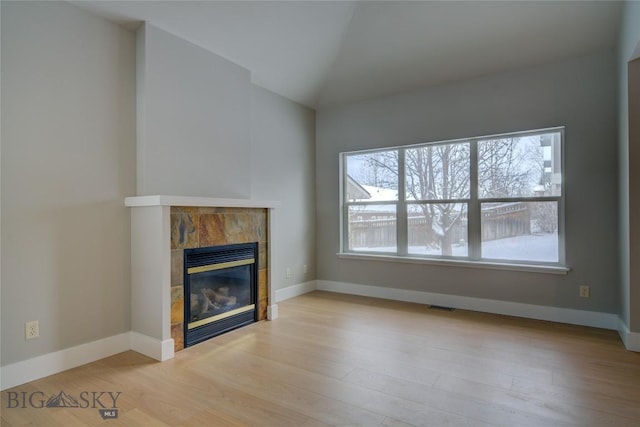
{"x":343,"y":360}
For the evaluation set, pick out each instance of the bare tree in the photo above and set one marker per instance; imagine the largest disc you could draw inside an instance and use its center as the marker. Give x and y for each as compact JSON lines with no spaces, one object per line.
{"x":381,"y":170}
{"x":434,"y":173}
{"x":506,"y":168}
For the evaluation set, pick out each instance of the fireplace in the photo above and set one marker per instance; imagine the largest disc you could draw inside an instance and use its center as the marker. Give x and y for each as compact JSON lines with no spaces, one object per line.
{"x":162,"y":227}
{"x":220,"y":289}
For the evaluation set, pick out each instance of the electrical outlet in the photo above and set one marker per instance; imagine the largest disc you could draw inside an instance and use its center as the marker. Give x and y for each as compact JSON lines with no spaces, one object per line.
{"x":584,"y":291}
{"x":31,"y":330}
{"x":288,"y":273}
{"x":305,"y":269}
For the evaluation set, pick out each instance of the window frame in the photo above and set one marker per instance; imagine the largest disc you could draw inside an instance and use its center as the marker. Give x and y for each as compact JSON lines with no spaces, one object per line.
{"x":474,"y":212}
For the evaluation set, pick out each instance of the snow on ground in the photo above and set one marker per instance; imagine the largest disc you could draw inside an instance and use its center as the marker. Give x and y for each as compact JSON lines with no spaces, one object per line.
{"x":539,"y":247}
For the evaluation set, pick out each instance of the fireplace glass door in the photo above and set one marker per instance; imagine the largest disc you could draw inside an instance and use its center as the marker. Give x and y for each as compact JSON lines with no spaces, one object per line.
{"x":220,"y":290}
{"x":220,"y":293}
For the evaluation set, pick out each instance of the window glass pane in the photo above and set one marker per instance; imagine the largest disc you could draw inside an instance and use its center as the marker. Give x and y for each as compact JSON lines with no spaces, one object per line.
{"x":372,"y":176}
{"x":526,"y":166}
{"x":520,"y":231}
{"x":437,"y":229}
{"x":437,"y":172}
{"x":372,"y":228}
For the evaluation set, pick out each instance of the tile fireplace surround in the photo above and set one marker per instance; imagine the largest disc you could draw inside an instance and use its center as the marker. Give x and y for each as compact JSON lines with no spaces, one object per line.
{"x":156,"y":259}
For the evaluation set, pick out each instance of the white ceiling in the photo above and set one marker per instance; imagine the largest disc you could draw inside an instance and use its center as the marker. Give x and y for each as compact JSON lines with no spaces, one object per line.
{"x":324,"y":53}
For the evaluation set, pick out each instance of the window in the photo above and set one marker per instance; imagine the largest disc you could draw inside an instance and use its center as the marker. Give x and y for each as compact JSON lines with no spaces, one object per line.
{"x":495,"y":199}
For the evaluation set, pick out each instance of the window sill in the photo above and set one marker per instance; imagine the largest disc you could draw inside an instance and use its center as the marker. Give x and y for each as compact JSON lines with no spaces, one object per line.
{"x":547,"y":269}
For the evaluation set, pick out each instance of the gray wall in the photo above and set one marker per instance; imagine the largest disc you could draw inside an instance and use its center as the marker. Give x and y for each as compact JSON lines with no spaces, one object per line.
{"x":579,"y":94}
{"x":194,"y":136}
{"x":68,"y":160}
{"x":205,"y":130}
{"x":630,"y":286}
{"x":282,"y":169}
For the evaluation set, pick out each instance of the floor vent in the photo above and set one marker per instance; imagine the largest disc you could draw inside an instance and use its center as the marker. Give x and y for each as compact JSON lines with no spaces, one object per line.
{"x":440,"y":307}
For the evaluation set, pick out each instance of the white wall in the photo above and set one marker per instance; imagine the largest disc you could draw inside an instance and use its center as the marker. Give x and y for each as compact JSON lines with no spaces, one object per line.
{"x":194,"y":135}
{"x":283,"y":169}
{"x":68,"y":161}
{"x":577,"y":93}
{"x":630,"y":286}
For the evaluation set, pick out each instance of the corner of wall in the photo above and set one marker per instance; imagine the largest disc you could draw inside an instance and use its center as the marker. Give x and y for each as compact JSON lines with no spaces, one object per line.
{"x":630,"y":339}
{"x":141,"y":36}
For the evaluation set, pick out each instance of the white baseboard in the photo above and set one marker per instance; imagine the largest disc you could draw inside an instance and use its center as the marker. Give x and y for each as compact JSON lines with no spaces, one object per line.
{"x":48,"y":364}
{"x":530,"y":311}
{"x":630,"y":339}
{"x":154,"y":348}
{"x":295,"y":290}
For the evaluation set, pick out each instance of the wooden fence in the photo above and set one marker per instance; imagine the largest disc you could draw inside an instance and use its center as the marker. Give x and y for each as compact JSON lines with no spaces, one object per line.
{"x":504,"y":220}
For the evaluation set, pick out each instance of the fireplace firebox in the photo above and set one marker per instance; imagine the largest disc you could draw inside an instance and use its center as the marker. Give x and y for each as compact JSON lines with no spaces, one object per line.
{"x":220,"y":288}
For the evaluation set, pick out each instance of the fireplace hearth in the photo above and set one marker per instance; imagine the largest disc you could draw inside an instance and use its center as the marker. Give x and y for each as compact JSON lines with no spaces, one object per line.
{"x":220,"y":288}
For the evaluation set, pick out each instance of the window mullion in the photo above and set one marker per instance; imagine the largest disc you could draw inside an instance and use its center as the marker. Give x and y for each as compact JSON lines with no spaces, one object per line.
{"x":474,"y":215}
{"x":401,"y":209}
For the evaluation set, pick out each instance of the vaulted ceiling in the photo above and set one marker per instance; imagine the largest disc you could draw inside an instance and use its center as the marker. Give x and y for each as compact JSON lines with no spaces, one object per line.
{"x":324,"y":53}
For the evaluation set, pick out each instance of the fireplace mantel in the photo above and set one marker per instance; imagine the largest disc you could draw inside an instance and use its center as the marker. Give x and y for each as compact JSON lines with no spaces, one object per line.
{"x":151,"y":265}
{"x":159,"y":200}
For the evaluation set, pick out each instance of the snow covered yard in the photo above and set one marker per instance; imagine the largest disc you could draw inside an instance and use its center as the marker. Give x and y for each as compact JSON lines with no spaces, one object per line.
{"x":534,"y":247}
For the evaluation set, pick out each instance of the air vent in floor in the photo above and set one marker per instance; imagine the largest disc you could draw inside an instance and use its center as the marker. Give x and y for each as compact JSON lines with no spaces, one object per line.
{"x":440,"y":307}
